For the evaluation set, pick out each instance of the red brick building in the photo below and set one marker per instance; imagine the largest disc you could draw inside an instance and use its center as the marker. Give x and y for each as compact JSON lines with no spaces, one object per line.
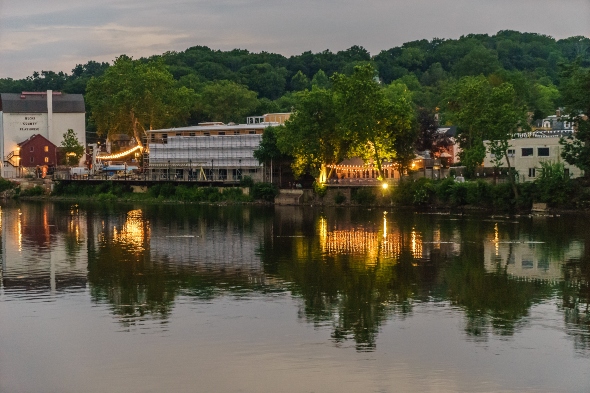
{"x":37,"y":151}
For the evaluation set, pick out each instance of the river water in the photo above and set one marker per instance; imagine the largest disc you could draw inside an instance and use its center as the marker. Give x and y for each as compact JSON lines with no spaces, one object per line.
{"x":155,"y":298}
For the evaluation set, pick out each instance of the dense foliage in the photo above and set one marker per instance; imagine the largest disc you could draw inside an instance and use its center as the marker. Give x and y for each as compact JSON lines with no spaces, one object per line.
{"x":527,"y":60}
{"x":111,"y":191}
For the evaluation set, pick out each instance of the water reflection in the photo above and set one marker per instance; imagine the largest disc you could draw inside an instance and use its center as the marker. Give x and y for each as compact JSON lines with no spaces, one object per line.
{"x":353,"y":271}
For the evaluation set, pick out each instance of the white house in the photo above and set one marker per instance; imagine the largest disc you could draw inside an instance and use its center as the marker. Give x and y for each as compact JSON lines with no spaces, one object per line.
{"x":529,"y":150}
{"x":49,"y":114}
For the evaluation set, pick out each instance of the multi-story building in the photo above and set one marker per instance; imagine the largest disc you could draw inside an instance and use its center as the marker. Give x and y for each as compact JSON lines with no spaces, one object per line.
{"x":529,"y":150}
{"x":209,"y":151}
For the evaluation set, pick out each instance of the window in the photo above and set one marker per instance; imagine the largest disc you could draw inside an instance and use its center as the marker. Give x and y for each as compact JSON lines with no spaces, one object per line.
{"x":46,"y":159}
{"x":32,"y":149}
{"x":165,"y":138}
{"x":543,"y":152}
{"x":251,"y":132}
{"x":178,"y":134}
{"x":527,"y":262}
{"x":32,"y":159}
{"x":191,"y":134}
{"x":531,"y":172}
{"x":221,"y":133}
{"x":236,"y":132}
{"x":46,"y":149}
{"x":527,"y":151}
{"x":152,"y":137}
{"x":566,"y":172}
{"x":206,"y":133}
{"x":510,"y":152}
{"x":251,"y":170}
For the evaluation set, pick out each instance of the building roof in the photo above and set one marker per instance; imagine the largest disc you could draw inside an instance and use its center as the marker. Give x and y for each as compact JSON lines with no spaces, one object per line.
{"x":33,"y":137}
{"x":217,"y":127}
{"x":448,"y":131}
{"x":37,"y":103}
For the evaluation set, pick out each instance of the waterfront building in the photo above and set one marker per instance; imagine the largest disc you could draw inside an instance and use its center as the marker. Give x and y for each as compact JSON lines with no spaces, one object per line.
{"x":38,"y":153}
{"x":529,"y":150}
{"x":211,"y":151}
{"x":49,"y":114}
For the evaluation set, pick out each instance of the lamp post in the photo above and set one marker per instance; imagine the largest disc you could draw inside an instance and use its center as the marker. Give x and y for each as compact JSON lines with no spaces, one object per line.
{"x":168,"y":170}
{"x":211,"y":170}
{"x":190,"y":169}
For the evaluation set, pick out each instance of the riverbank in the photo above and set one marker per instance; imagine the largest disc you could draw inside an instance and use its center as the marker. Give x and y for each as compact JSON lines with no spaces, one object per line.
{"x":428,"y":194}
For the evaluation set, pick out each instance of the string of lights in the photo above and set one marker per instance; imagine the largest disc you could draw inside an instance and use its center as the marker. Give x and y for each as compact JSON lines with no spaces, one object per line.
{"x":120,"y":154}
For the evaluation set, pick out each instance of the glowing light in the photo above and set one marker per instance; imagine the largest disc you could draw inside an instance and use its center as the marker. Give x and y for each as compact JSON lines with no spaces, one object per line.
{"x":119,"y":155}
{"x":496,"y":240}
{"x":133,"y":232}
{"x":384,"y":186}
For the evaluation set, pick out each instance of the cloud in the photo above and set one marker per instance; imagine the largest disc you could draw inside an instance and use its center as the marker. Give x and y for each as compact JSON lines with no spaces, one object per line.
{"x":57,"y":34}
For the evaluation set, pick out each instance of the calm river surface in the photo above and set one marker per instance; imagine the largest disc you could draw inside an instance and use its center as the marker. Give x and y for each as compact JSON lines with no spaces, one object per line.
{"x":127,"y":298}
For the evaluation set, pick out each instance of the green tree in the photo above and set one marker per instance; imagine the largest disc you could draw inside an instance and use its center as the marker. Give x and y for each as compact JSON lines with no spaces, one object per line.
{"x":504,"y":117}
{"x":312,"y":136}
{"x":369,"y":119}
{"x":72,"y":148}
{"x":299,"y":81}
{"x":466,"y":107}
{"x":227,"y":101}
{"x":575,"y":89}
{"x":321,"y":80}
{"x":133,"y":96}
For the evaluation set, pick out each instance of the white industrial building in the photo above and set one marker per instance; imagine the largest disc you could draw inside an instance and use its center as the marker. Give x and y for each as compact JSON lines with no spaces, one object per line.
{"x":49,"y":114}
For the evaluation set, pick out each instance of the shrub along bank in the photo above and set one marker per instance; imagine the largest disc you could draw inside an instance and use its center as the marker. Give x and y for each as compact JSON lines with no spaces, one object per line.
{"x":164,"y":192}
{"x":562,"y":193}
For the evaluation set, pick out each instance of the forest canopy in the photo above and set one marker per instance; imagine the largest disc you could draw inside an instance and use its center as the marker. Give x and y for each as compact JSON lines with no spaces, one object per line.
{"x":268,"y":82}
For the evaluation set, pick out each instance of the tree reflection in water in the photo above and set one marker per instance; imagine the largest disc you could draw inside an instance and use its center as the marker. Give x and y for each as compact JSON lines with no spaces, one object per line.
{"x":353,"y":270}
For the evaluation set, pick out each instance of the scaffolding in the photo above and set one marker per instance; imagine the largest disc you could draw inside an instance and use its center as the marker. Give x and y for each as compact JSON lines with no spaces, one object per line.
{"x":203,"y":158}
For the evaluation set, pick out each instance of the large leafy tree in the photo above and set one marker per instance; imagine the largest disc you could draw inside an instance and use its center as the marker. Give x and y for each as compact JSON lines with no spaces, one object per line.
{"x":575,"y":90}
{"x":370,"y":120}
{"x":227,"y":101}
{"x":466,"y":105}
{"x":133,"y":96}
{"x":312,"y":136}
{"x":484,"y":112}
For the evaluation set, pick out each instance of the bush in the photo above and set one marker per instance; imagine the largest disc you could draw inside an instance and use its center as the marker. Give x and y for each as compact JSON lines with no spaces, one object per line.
{"x":6,"y":184}
{"x":264,"y":191}
{"x":34,"y":191}
{"x":320,"y":189}
{"x":247,"y":182}
{"x":339,"y":198}
{"x":363,"y":196}
{"x":235,"y":194}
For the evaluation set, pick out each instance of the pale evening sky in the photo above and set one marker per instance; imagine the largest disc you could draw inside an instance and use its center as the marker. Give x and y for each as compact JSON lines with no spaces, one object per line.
{"x":56,"y":35}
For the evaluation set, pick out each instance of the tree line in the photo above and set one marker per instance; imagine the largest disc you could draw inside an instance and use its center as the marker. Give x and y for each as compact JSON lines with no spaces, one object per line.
{"x":529,"y":74}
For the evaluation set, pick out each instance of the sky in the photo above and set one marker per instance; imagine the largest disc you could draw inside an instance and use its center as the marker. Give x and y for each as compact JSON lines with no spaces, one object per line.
{"x":56,"y":35}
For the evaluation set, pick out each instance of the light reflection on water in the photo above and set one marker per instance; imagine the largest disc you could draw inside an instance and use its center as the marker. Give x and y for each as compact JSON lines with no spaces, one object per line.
{"x":317,"y":300}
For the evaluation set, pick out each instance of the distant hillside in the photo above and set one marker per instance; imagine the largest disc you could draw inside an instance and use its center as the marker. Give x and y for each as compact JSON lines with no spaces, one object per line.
{"x":529,"y":61}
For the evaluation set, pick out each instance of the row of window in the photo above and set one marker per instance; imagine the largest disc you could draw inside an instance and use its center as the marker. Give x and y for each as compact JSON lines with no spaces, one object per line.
{"x":45,"y":149}
{"x":529,"y":152}
{"x":32,"y":159}
{"x":164,"y":137}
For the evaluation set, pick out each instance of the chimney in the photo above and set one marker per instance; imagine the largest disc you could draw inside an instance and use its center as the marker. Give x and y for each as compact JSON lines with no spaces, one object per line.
{"x":49,"y":114}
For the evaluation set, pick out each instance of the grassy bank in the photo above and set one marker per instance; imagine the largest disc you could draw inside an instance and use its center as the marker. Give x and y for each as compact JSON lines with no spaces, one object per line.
{"x":559,"y":193}
{"x":112,"y":191}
